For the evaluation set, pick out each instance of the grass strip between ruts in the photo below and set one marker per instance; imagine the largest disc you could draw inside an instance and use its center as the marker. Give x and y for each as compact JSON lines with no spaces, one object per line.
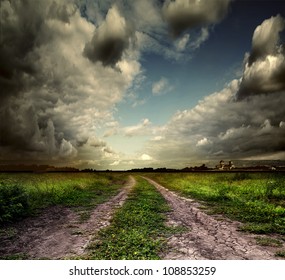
{"x":137,"y":230}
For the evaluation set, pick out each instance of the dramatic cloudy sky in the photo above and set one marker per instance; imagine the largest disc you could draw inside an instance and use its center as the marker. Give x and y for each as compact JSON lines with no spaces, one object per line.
{"x":109,"y":84}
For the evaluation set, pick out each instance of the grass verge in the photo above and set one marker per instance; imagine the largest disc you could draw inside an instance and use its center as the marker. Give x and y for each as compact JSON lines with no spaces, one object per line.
{"x":266,"y":241}
{"x":19,"y":256}
{"x":137,"y":231}
{"x":280,"y":254}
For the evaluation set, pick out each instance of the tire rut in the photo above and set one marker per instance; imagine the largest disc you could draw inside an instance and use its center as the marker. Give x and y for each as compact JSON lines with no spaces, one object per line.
{"x":58,"y":233}
{"x":207,"y":237}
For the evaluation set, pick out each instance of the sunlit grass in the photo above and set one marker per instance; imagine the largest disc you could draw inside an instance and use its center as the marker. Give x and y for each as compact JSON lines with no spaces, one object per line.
{"x":257,"y":199}
{"x":266,"y":241}
{"x":280,"y":254}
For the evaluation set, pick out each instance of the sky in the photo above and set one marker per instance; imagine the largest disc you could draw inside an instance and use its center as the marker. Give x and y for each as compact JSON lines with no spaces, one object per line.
{"x":121,"y":84}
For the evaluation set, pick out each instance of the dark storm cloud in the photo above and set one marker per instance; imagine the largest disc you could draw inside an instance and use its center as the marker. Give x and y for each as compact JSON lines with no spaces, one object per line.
{"x":185,"y":14}
{"x":23,"y":28}
{"x":18,"y":37}
{"x":23,"y":126}
{"x":110,"y":39}
{"x":21,"y":25}
{"x":264,"y":70}
{"x":51,"y":97}
{"x":28,"y":95}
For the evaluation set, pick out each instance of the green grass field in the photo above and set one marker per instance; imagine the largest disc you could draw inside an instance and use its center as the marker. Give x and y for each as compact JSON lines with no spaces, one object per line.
{"x":137,"y":230}
{"x":256,"y":199}
{"x":23,"y":194}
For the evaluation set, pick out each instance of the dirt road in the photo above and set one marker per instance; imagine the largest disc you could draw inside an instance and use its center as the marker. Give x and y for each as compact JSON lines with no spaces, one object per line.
{"x":58,"y":233}
{"x":207,"y":237}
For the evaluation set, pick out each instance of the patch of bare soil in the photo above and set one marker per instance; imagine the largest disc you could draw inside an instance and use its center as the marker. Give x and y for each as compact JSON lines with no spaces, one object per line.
{"x":58,"y":233}
{"x":208,"y":237}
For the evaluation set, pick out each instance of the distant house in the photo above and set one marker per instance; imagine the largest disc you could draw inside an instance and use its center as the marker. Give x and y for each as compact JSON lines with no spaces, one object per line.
{"x":223,"y":166}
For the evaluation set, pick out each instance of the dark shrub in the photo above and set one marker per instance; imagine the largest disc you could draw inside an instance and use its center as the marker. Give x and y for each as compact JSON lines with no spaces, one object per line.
{"x":13,"y":203}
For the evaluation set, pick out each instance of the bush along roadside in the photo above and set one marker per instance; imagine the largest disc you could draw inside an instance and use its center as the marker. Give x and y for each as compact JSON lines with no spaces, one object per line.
{"x":137,"y":230}
{"x":14,"y":203}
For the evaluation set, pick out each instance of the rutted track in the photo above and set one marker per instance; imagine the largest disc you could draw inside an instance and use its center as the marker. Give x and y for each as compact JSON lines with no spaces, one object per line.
{"x":57,"y":233}
{"x":207,"y":237}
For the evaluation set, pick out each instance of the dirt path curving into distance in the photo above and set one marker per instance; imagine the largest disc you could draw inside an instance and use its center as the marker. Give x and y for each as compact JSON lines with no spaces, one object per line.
{"x":58,"y":233}
{"x":207,"y":237}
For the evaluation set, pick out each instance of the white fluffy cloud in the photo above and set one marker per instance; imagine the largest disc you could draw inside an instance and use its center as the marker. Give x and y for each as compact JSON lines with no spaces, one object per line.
{"x":145,"y":157}
{"x":66,"y":149}
{"x":204,"y":35}
{"x":264,"y":70}
{"x":266,"y":38}
{"x":186,"y":41}
{"x":115,"y":163}
{"x":142,"y":128}
{"x":161,"y":87}
{"x":181,"y":43}
{"x":203,"y":142}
